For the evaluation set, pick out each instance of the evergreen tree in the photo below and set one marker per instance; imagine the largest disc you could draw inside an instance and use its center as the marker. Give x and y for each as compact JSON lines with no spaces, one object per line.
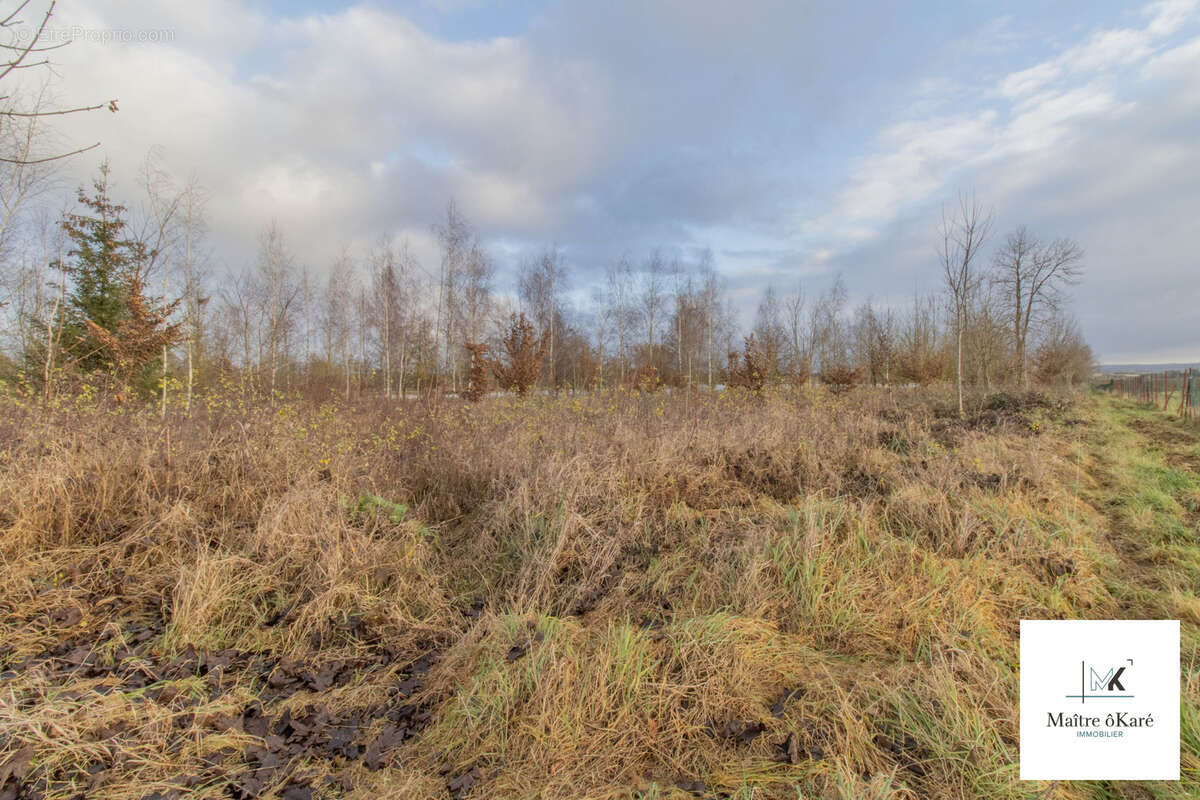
{"x":103,"y":263}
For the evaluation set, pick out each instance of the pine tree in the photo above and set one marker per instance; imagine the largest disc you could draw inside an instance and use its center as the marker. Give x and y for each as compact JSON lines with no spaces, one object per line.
{"x":102,"y":265}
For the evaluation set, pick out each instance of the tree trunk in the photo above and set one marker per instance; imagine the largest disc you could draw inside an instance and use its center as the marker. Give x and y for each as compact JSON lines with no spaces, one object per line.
{"x":166,"y":269}
{"x":958,"y":371}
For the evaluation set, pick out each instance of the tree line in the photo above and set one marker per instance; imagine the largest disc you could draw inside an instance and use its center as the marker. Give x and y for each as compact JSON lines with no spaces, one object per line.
{"x":134,"y":295}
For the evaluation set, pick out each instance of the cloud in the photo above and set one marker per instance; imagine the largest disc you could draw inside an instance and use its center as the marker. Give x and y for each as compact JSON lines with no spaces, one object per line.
{"x":1103,"y":50}
{"x":1169,"y":16}
{"x":1099,"y":142}
{"x":795,"y":138}
{"x":332,"y":135}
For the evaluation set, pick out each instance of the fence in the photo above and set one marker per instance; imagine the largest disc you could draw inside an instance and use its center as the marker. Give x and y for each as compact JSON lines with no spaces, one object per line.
{"x":1172,"y":391}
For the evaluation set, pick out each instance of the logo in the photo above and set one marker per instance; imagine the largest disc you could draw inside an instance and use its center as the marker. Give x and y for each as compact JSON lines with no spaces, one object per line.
{"x":1099,"y":699}
{"x":1102,"y":686}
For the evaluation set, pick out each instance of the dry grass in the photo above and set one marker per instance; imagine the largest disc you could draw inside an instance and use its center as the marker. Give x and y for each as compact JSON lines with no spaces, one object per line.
{"x":617,"y":595}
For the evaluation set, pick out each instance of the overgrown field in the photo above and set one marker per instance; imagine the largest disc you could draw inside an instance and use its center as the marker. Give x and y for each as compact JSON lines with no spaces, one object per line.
{"x":605,"y":596}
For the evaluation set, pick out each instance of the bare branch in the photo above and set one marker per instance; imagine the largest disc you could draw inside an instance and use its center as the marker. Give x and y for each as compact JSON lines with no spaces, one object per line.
{"x":30,"y":162}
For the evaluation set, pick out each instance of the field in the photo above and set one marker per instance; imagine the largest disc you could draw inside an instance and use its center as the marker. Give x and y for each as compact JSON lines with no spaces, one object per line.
{"x":613,"y":595}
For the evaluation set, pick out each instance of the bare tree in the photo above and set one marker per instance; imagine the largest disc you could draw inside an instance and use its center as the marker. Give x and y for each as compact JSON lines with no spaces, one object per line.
{"x":830,"y":346}
{"x":769,"y":333}
{"x":478,"y":273}
{"x":1061,"y":354}
{"x":541,"y":284}
{"x":194,"y":224}
{"x":688,"y":330}
{"x":25,"y":47}
{"x":277,"y":290}
{"x":711,"y":304}
{"x":386,"y":311}
{"x":457,"y":239}
{"x":681,"y":289}
{"x":20,"y":178}
{"x":652,"y":299}
{"x":620,"y":291}
{"x":163,"y":203}
{"x":602,"y":315}
{"x":963,"y":232}
{"x":410,"y":315}
{"x":52,"y":253}
{"x":1032,"y":276}
{"x":874,"y":341}
{"x":336,"y":317}
{"x":239,"y":310}
{"x":985,"y":341}
{"x":362,"y":328}
{"x":799,"y":335}
{"x":920,"y":355}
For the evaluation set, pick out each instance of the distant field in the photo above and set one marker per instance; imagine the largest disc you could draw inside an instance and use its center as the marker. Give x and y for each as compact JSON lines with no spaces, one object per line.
{"x":613,"y":595}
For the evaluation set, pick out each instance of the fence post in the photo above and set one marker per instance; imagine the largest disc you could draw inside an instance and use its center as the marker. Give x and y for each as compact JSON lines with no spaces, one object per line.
{"x":1186,"y":402}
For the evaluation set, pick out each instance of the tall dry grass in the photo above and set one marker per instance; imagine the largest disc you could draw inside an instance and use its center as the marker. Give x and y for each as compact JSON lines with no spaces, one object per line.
{"x":611,"y":595}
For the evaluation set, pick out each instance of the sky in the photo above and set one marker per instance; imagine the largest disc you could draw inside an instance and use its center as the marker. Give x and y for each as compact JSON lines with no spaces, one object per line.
{"x":797,"y":140}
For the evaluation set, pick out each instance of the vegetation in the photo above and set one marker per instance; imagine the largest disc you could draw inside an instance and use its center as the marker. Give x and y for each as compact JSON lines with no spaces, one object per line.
{"x":613,"y":595}
{"x":660,"y":323}
{"x":524,"y":350}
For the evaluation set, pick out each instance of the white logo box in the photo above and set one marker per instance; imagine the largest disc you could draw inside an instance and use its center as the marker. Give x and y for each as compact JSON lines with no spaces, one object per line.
{"x":1100,"y":699}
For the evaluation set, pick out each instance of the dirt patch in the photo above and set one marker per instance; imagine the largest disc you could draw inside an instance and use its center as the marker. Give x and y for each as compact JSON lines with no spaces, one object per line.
{"x":292,"y":746}
{"x":1178,"y":443}
{"x":1163,"y":433}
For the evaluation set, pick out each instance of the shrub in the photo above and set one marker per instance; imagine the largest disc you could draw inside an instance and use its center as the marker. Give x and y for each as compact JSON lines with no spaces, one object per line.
{"x":750,"y":370}
{"x":525,"y":350}
{"x":840,"y":378}
{"x":479,"y":377}
{"x":646,"y":379}
{"x":922,"y":369}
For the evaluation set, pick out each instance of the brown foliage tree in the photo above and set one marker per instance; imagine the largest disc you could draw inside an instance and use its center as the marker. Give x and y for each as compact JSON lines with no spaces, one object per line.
{"x":922,"y":368}
{"x":141,"y":334}
{"x":749,"y":371}
{"x":646,"y":379}
{"x":840,"y":378}
{"x":479,"y":376}
{"x":525,"y":350}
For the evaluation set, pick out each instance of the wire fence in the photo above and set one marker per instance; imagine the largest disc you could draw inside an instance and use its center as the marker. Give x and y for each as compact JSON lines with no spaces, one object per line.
{"x":1174,"y":392}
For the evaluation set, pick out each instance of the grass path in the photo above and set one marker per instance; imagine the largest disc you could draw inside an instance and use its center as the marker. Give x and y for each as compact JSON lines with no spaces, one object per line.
{"x":1145,"y":468}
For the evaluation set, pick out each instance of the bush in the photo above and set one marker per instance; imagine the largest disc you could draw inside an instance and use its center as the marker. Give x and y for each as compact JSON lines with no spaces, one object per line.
{"x":750,"y":370}
{"x":646,"y":379}
{"x":840,"y":378}
{"x":478,"y":379}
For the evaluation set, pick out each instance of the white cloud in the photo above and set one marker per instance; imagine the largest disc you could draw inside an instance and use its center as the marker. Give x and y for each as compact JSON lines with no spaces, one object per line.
{"x":335,"y":124}
{"x":1178,"y":62}
{"x":917,"y":159}
{"x":1030,"y":80}
{"x":1168,"y":16}
{"x":1103,"y":50}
